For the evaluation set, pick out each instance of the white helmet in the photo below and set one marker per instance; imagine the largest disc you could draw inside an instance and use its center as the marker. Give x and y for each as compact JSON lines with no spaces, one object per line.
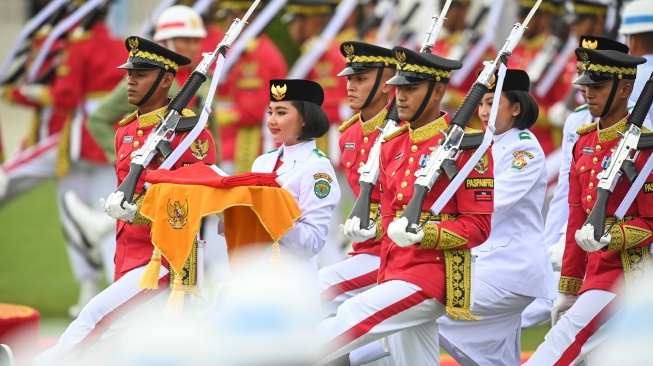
{"x":637,"y":17}
{"x":179,"y":21}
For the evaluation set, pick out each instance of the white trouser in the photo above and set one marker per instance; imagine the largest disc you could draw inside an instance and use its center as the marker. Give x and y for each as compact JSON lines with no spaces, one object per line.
{"x":100,"y":314}
{"x":383,"y":310}
{"x":90,"y":182}
{"x":579,"y":331}
{"x":539,"y":311}
{"x":494,"y":340}
{"x":342,"y":281}
{"x":29,"y":167}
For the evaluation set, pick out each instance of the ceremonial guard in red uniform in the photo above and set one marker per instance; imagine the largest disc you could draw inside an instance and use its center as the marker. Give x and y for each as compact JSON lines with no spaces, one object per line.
{"x":594,"y":272}
{"x":426,"y":274}
{"x":244,"y":96}
{"x":368,"y":67}
{"x":151,"y":70}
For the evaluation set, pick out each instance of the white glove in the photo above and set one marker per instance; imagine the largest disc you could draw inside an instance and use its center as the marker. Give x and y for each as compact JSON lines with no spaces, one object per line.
{"x":352,"y":229}
{"x":585,"y":239}
{"x":558,"y":114}
{"x":564,"y":302}
{"x":4,"y":182}
{"x":397,"y":232}
{"x":115,"y":207}
{"x":32,"y":92}
{"x":556,"y":251}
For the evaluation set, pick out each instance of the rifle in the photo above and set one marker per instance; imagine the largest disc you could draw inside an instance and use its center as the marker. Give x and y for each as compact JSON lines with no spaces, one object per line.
{"x":159,"y":140}
{"x":48,"y":16}
{"x":443,"y":157}
{"x":622,"y":162}
{"x":369,"y":173}
{"x":469,"y":36}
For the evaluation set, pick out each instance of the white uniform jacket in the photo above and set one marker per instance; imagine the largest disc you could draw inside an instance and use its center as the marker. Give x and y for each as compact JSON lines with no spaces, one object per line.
{"x":558,"y":213}
{"x":514,"y":257}
{"x":309,"y":177}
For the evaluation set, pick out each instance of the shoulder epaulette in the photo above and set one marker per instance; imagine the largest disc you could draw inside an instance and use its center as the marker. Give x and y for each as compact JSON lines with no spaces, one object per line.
{"x":525,"y":136}
{"x":403,"y":129}
{"x":320,"y":153}
{"x":127,"y":120}
{"x":581,"y":108}
{"x":271,"y":151}
{"x":587,"y":128}
{"x":79,"y":34}
{"x":645,"y":130}
{"x":187,"y":113}
{"x":345,"y":125}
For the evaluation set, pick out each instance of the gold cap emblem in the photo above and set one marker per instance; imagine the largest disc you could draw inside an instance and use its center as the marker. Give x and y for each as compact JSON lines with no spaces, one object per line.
{"x":401,"y":57}
{"x":592,"y":45}
{"x":493,"y":82}
{"x":278,"y":92}
{"x":349,"y":50}
{"x":133,"y":43}
{"x":585,"y":59}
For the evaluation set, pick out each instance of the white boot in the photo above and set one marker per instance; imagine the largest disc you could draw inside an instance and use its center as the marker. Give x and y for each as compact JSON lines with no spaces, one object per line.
{"x":87,"y":291}
{"x":93,"y":225}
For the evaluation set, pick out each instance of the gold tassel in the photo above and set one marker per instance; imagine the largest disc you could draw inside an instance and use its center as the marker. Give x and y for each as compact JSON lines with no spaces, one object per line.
{"x":177,"y":297}
{"x":150,"y":278}
{"x":275,"y":255}
{"x":461,"y":313}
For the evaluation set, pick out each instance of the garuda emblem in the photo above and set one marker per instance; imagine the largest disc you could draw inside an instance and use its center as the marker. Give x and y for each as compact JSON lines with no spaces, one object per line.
{"x":349,"y":50}
{"x":199,"y":149}
{"x":493,"y":82}
{"x":133,"y":45}
{"x":592,"y":45}
{"x":278,"y":92}
{"x":401,"y":57}
{"x":177,"y":214}
{"x":483,"y":165}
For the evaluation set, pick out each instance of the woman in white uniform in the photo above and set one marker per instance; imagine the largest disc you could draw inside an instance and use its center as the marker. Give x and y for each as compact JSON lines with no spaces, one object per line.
{"x":512,"y":266}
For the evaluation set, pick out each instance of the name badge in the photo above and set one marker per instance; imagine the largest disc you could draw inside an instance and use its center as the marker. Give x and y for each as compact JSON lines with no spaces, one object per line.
{"x":127,"y":139}
{"x":588,"y":150}
{"x":350,"y":146}
{"x":399,"y":156}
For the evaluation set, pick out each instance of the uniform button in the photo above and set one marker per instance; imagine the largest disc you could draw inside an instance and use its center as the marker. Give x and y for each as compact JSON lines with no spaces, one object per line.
{"x":161,"y":159}
{"x":404,"y":184}
{"x":595,"y":160}
{"x":136,"y":143}
{"x":362,"y":151}
{"x":139,"y":133}
{"x":589,"y":198}
{"x":122,"y":155}
{"x":366,"y":140}
{"x":393,"y":173}
{"x":591,"y":185}
{"x":593,"y":173}
{"x":400,"y":196}
{"x":588,"y":211}
{"x":361,"y":164}
{"x":582,"y":169}
{"x":437,"y":258}
{"x":413,"y":148}
{"x":598,"y":148}
{"x":411,"y":160}
{"x":407,"y":172}
{"x":403,"y":207}
{"x":348,"y":164}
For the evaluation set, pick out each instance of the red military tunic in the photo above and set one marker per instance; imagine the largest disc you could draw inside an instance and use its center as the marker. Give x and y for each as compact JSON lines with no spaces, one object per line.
{"x":472,"y":205}
{"x":88,"y":71}
{"x":133,"y":241}
{"x":247,"y":86}
{"x":356,"y":141}
{"x":604,"y":269}
{"x":325,"y":72}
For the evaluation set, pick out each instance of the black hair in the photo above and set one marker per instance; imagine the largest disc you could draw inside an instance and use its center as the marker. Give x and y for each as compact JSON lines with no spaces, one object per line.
{"x":529,"y":111}
{"x":316,"y":122}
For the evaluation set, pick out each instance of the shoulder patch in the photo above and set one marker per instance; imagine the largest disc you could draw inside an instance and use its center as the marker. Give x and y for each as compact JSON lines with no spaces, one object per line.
{"x":322,"y":188}
{"x":520,"y":159}
{"x":469,"y":130}
{"x":128,"y":119}
{"x":587,"y":128}
{"x":581,"y":108}
{"x":271,"y":151}
{"x":320,"y":153}
{"x":345,"y":125}
{"x":403,"y":129}
{"x":525,"y":136}
{"x":323,"y":176}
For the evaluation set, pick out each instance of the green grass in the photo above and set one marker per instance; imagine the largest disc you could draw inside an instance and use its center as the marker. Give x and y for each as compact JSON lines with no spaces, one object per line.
{"x":34,"y":267}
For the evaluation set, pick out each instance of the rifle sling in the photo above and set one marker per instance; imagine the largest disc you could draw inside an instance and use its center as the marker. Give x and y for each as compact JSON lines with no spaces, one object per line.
{"x":645,"y":141}
{"x":474,"y":140}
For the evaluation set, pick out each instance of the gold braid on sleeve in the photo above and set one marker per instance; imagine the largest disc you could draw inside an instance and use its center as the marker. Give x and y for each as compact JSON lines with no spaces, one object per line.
{"x":431,"y":233}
